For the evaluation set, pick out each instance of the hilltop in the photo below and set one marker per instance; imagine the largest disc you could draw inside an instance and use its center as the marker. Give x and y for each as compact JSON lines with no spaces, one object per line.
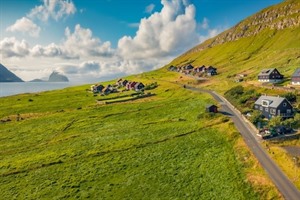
{"x":8,"y":76}
{"x":268,"y":39}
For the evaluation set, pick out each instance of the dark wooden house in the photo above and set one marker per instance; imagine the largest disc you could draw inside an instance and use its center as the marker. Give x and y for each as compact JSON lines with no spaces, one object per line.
{"x":189,"y":67}
{"x":139,"y":86}
{"x":211,"y":108}
{"x":211,"y":71}
{"x":271,"y":106}
{"x":270,"y":76}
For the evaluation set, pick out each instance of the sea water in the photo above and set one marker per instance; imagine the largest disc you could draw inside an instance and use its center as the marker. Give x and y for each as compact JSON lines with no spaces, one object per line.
{"x":8,"y":89}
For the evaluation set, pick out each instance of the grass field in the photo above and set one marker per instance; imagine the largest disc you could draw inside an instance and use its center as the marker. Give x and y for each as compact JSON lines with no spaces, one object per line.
{"x":159,"y":147}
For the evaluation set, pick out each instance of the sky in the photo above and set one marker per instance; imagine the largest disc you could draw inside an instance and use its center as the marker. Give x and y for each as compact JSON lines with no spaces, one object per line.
{"x":96,"y":40}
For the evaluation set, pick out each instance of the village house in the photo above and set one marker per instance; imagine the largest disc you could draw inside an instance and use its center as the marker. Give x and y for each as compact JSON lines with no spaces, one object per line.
{"x":189,"y":67}
{"x":211,"y":71}
{"x":119,"y":82}
{"x":211,"y":108}
{"x":271,"y":106}
{"x":139,"y":86}
{"x":124,"y":82}
{"x":108,"y":89}
{"x":97,"y":88}
{"x":296,"y":77}
{"x":172,"y":68}
{"x":270,"y":76}
{"x":131,"y":85}
{"x":200,"y":69}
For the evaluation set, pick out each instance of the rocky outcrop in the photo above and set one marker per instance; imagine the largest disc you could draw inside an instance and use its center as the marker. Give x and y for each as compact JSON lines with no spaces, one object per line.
{"x":57,"y":77}
{"x":278,"y":17}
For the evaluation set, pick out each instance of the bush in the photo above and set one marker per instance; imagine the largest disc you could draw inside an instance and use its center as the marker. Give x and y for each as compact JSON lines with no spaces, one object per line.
{"x":151,"y":86}
{"x":291,"y":97}
{"x":235,"y":91}
{"x":255,"y":117}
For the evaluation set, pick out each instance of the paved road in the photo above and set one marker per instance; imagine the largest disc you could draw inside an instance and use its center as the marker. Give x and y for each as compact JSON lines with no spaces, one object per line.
{"x":284,"y":185}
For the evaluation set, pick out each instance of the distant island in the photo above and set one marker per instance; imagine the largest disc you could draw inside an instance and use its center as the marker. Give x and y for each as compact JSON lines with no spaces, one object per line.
{"x":8,"y":76}
{"x":54,"y":77}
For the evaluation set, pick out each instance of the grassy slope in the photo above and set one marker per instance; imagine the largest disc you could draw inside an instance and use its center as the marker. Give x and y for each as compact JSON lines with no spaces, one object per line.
{"x":249,"y":55}
{"x":269,"y":49}
{"x":68,"y":146}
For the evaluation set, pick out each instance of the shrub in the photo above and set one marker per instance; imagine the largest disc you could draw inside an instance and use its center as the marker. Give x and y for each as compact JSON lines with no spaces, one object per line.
{"x":255,"y":117}
{"x":151,"y":86}
{"x":291,"y":97}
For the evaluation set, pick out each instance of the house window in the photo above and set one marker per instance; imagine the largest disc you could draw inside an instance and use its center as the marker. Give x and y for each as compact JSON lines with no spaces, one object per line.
{"x":267,"y":109}
{"x":273,"y":111}
{"x":288,"y":111}
{"x":256,"y":106}
{"x":284,"y":104}
{"x":265,"y":103}
{"x":261,"y":108}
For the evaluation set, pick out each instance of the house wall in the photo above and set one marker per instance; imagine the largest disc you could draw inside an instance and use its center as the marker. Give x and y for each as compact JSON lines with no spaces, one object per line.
{"x":281,"y":110}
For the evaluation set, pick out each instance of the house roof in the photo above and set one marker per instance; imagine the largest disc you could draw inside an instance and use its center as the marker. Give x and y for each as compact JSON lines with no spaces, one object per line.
{"x":296,"y":73}
{"x":273,"y":101}
{"x":266,"y":71}
{"x":210,"y":105}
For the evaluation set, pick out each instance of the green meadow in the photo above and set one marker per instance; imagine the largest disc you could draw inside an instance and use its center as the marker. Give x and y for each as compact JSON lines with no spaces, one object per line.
{"x":62,"y":144}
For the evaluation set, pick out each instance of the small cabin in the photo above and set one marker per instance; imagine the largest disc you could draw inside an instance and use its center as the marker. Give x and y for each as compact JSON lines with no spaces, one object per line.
{"x":211,"y":108}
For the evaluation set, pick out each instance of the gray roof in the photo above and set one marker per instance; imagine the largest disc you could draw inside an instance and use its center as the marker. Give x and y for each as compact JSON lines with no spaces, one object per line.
{"x":266,"y":71}
{"x":273,"y":101}
{"x":296,"y":73}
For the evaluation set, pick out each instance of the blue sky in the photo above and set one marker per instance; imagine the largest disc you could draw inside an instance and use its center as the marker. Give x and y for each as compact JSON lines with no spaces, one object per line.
{"x":92,"y":40}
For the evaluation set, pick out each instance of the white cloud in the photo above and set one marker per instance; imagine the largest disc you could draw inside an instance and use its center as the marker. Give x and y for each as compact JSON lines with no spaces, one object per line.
{"x":149,"y":9}
{"x":82,"y":43}
{"x":56,"y":9}
{"x":25,"y":25}
{"x":159,"y":38}
{"x":169,"y":32}
{"x":11,"y":47}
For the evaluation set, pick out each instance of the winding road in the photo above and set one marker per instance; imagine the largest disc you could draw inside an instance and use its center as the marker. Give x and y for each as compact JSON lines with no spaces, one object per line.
{"x":284,"y":185}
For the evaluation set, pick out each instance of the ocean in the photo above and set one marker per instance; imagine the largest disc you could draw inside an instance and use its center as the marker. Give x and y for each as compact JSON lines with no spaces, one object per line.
{"x":8,"y":89}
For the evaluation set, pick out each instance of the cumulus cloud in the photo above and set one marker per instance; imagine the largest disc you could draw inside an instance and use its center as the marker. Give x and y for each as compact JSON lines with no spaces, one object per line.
{"x":82,"y":43}
{"x":56,"y":9}
{"x":11,"y":47}
{"x":149,"y":9}
{"x":159,"y":38}
{"x":25,"y":25}
{"x":101,"y":69}
{"x":51,"y":51}
{"x":165,"y":33}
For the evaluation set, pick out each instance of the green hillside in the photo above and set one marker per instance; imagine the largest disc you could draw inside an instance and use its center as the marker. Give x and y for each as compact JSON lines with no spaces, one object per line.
{"x":73,"y":144}
{"x":65,"y":145}
{"x":275,"y":44}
